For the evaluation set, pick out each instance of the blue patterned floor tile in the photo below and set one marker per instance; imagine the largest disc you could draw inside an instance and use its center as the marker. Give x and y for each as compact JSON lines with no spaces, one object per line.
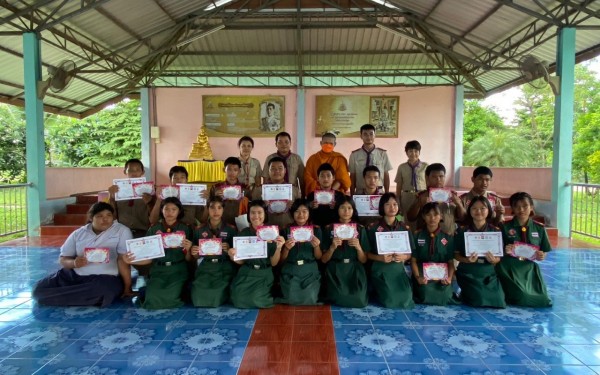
{"x":42,"y":348}
{"x":412,"y":369}
{"x":519,"y":335}
{"x":116,"y":342}
{"x":80,"y":350}
{"x":508,"y":354}
{"x":169,"y":351}
{"x":19,"y":367}
{"x":71,"y":366}
{"x":548,"y":353}
{"x":98,"y":326}
{"x":176,"y":329}
{"x":351,"y":316}
{"x":397,"y":350}
{"x":569,"y":370}
{"x":153,"y":365}
{"x":434,"y":334}
{"x":596,"y":369}
{"x":409,"y":333}
{"x":364,"y":369}
{"x":504,"y":369}
{"x":382,"y":315}
{"x":217,"y":368}
{"x":140,"y":315}
{"x":588,"y":354}
{"x":9,"y":303}
{"x":356,"y":351}
{"x":7,"y":327}
{"x":341,"y":331}
{"x":243,"y":331}
{"x":210,"y":344}
{"x":16,"y":315}
{"x":465,"y":346}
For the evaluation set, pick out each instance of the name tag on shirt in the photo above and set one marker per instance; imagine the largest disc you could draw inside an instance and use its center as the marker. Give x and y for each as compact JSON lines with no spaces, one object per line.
{"x":535,"y":234}
{"x":421,"y":241}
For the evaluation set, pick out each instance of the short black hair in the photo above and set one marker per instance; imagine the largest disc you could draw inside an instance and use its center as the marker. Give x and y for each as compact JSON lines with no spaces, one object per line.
{"x":232,"y":160}
{"x":435,"y":167}
{"x":428,"y":207}
{"x":371,"y":168}
{"x":98,"y":207}
{"x":299,"y":202}
{"x":258,"y":203}
{"x":482,"y":170}
{"x":271,"y":105}
{"x":339,"y":202}
{"x":412,"y":145}
{"x":176,"y":202}
{"x":325,"y":167}
{"x":283,"y":134}
{"x":276,"y":159}
{"x":383,"y":200}
{"x":246,"y":138}
{"x":520,"y":196}
{"x":366,"y":127}
{"x":177,"y":169}
{"x":133,"y":161}
{"x":486,"y":202}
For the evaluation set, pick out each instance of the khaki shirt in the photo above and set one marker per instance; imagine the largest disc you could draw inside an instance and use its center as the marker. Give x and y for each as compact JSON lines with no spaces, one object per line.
{"x":404,"y":177}
{"x":294,"y":167}
{"x":249,"y":172}
{"x":135,"y":216}
{"x":358,"y":162}
{"x":280,"y":219}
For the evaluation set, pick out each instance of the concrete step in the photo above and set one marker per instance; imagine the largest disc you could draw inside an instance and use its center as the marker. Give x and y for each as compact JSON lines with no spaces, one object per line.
{"x":58,"y":230}
{"x":70,"y":219}
{"x":78,"y":208}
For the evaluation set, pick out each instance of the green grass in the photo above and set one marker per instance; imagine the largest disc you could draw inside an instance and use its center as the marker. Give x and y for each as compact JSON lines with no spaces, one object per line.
{"x":585,"y":216}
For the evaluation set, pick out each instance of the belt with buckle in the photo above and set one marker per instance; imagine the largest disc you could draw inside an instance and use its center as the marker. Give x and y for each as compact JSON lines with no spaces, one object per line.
{"x":258,"y":266}
{"x":409,"y":191}
{"x":215,"y":260}
{"x":521,"y":259}
{"x":169,"y":264}
{"x":345,"y":260}
{"x":480,"y":260}
{"x":301,"y":262}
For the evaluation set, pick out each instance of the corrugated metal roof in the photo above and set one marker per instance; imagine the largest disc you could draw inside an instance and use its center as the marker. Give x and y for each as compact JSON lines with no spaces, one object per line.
{"x":115,"y":42}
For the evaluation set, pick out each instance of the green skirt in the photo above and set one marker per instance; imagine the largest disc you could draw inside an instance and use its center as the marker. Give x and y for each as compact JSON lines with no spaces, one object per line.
{"x":346,"y":283}
{"x":391,"y":285}
{"x":479,"y":285}
{"x":251,"y":288}
{"x":300,"y":284}
{"x":164,"y":287}
{"x":522,"y":282}
{"x":210,"y":287}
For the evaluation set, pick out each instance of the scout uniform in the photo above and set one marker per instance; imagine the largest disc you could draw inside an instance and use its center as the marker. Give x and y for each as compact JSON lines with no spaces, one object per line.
{"x":300,"y":277}
{"x":135,"y":215}
{"x":522,"y":279}
{"x":478,"y":281}
{"x":231,"y":208}
{"x":324,"y":214}
{"x":345,"y":276}
{"x":281,"y":219}
{"x":210,"y":287}
{"x":410,"y":180}
{"x":368,"y":220}
{"x":249,"y":172}
{"x":495,"y":200}
{"x":361,"y":158}
{"x":436,"y":247}
{"x":390,"y":283}
{"x":447,"y":210}
{"x":251,"y":287}
{"x":294,"y":169}
{"x":168,"y":274}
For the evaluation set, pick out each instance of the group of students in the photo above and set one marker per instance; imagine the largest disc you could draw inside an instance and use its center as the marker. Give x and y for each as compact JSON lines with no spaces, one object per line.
{"x":326,"y":269}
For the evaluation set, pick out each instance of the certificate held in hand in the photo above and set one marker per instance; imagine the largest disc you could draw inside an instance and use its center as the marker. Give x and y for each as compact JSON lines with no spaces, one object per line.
{"x":440,"y":195}
{"x":435,"y":271}
{"x":393,"y":242}
{"x":525,"y":250}
{"x":277,"y":192}
{"x":210,"y":246}
{"x":249,"y":248}
{"x":481,"y":242}
{"x":367,"y":205}
{"x":126,"y":191}
{"x":189,"y":194}
{"x":145,"y":248}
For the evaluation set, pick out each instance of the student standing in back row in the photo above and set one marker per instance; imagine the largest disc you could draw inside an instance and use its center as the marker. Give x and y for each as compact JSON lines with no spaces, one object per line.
{"x":410,"y":178}
{"x":294,"y":166}
{"x":482,"y":176}
{"x":366,"y":156}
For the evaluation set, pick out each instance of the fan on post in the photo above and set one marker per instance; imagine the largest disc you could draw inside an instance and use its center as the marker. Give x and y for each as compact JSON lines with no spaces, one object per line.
{"x":535,"y":72}
{"x":58,"y":79}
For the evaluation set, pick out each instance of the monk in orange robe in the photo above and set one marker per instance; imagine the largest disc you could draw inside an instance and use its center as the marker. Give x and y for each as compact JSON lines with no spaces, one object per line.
{"x":327,"y":155}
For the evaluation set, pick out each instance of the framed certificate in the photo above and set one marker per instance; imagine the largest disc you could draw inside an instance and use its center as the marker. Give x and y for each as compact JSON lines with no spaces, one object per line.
{"x":126,"y":188}
{"x":233,"y":192}
{"x":189,"y":194}
{"x":435,"y":271}
{"x":393,"y":242}
{"x":210,"y":246}
{"x":325,"y":196}
{"x":301,"y":234}
{"x":482,"y":242}
{"x":274,"y":192}
{"x":440,"y":195}
{"x":278,"y":206}
{"x":267,"y":232}
{"x":144,"y":248}
{"x":249,"y":248}
{"x":168,"y":191}
{"x":367,"y":205}
{"x":525,"y":250}
{"x":97,"y":254}
{"x":345,"y":231}
{"x":173,"y":240}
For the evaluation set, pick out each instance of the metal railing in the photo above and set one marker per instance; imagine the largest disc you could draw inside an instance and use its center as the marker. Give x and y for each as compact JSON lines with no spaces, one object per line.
{"x":13,"y":209}
{"x":585,"y":209}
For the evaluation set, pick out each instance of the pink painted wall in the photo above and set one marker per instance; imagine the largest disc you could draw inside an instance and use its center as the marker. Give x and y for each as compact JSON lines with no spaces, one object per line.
{"x":426,"y":114}
{"x":506,"y":181}
{"x":64,"y":182}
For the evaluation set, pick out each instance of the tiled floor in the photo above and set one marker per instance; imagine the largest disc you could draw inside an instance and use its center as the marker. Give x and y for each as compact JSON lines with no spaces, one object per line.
{"x":564,"y":339}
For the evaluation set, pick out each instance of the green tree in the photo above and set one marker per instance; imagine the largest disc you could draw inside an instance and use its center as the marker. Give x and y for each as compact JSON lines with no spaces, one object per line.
{"x":12,"y":144}
{"x":499,"y":148}
{"x":478,"y":120}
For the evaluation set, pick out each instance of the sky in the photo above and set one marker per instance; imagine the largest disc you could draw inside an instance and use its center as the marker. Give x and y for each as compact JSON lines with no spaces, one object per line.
{"x":503,"y":102}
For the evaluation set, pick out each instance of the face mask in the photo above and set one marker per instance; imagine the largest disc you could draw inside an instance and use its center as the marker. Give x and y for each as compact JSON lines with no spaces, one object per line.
{"x":327,"y":147}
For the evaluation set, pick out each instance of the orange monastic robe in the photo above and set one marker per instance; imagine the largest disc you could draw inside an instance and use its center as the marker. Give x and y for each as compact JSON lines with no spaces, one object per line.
{"x":339,"y":163}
